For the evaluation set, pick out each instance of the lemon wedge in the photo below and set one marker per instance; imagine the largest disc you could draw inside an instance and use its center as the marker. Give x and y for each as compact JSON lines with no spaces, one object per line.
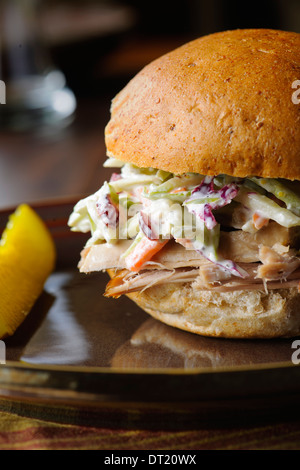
{"x":27,"y":257}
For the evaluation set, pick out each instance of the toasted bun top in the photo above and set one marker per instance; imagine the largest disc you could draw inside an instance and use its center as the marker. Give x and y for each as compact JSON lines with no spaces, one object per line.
{"x":219,"y":104}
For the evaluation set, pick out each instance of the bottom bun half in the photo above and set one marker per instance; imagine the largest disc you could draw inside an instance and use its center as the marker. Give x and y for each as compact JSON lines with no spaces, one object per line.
{"x":238,"y":314}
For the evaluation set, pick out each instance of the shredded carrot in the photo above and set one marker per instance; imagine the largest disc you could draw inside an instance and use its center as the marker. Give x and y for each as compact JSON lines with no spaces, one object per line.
{"x":259,"y":221}
{"x":143,"y":252}
{"x":178,"y":190}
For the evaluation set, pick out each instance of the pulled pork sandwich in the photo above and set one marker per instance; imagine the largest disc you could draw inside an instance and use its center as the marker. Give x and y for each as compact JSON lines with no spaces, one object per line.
{"x":200,"y":223}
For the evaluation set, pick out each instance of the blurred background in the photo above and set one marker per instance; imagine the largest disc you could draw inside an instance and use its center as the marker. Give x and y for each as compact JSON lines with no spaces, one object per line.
{"x":62,"y":61}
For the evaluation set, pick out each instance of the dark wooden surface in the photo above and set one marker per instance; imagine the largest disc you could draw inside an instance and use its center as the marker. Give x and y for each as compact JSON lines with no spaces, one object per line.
{"x":37,"y":167}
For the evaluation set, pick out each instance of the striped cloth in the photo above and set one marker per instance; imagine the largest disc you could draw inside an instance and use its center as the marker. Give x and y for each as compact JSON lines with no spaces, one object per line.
{"x":121,"y":433}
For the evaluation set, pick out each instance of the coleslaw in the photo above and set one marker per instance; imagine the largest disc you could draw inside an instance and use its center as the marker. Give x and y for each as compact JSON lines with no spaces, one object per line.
{"x":151,"y":206}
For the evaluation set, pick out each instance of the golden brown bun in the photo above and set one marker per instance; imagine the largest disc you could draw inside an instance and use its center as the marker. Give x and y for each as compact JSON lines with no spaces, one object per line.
{"x":219,"y":104}
{"x":239,"y":314}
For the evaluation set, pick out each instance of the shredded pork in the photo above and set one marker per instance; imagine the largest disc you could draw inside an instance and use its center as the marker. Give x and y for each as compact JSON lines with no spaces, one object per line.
{"x":125,"y":281}
{"x":271,"y":267}
{"x":275,"y":271}
{"x":276,"y":266}
{"x":239,"y":246}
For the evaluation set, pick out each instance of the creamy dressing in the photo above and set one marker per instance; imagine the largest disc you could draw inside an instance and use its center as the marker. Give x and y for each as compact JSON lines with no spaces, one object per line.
{"x":141,"y":203}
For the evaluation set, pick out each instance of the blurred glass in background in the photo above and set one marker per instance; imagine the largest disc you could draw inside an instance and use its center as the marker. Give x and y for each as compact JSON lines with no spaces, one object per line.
{"x":36,"y":92}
